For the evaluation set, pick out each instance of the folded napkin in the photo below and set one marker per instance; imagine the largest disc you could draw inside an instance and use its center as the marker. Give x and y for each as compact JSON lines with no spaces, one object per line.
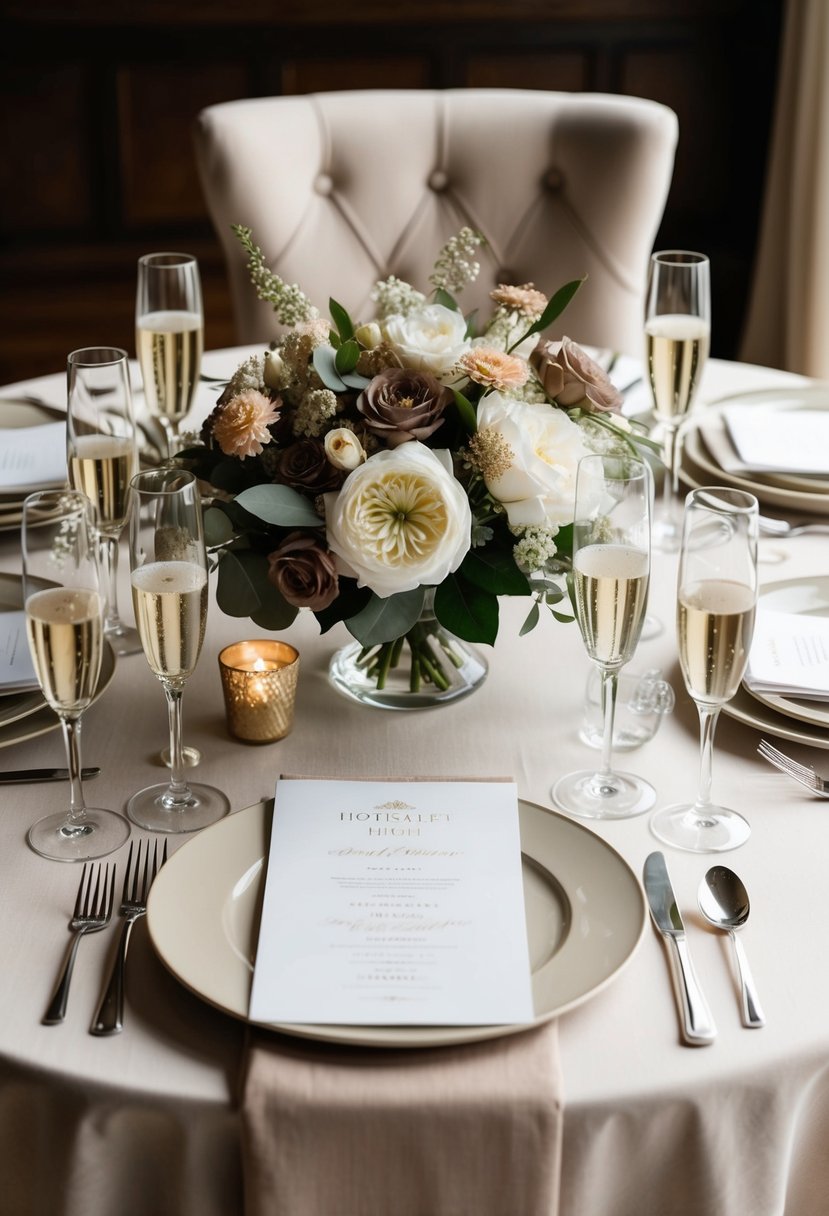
{"x":789,"y":655}
{"x":17,"y":671}
{"x":33,"y":456}
{"x":473,"y":1130}
{"x":771,"y":439}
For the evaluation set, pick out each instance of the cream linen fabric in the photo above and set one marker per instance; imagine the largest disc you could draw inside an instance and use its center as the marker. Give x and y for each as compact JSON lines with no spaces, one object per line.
{"x":342,"y":189}
{"x":462,"y":1131}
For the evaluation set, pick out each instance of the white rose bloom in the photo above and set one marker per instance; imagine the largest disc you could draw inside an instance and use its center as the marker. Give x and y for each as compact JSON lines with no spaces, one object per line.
{"x":343,"y":449}
{"x":400,"y":521}
{"x":543,"y":448}
{"x":430,"y":339}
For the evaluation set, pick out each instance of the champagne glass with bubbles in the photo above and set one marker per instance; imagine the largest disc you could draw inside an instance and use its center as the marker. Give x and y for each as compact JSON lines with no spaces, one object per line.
{"x":716,"y":602}
{"x":677,"y":338}
{"x":64,"y":605}
{"x":611,"y":570}
{"x":102,"y":456}
{"x":169,"y":337}
{"x":168,"y":565}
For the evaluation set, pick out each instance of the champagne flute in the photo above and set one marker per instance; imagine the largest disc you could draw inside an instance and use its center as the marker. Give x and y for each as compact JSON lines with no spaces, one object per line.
{"x":716,"y":601}
{"x":64,"y":607}
{"x":169,"y":337}
{"x":168,"y":565}
{"x":677,"y":338}
{"x":611,"y":569}
{"x":102,"y":457}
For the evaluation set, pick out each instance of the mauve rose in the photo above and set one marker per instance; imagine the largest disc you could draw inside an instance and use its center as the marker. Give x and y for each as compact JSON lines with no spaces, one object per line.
{"x":571,"y":377}
{"x":304,"y":572}
{"x":399,"y":405}
{"x":305,"y":466}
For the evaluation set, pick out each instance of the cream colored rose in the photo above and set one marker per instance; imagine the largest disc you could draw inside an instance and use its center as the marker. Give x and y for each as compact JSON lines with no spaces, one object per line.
{"x":429,"y":339}
{"x":343,"y":449}
{"x":400,"y":521}
{"x":529,"y":453}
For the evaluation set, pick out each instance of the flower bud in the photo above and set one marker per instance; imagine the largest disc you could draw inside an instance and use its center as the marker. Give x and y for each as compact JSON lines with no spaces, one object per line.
{"x":343,"y":449}
{"x":368,"y":335}
{"x":274,"y":372}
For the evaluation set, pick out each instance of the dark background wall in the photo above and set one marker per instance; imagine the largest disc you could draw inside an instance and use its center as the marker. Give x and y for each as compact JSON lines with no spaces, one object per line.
{"x":97,"y":102}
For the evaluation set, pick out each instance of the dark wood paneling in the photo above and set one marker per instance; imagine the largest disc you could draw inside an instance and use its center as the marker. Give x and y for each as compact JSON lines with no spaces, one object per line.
{"x":568,"y":72}
{"x":317,"y":75}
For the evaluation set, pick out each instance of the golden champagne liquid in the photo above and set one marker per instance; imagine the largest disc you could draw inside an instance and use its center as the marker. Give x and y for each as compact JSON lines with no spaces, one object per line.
{"x":676,"y":350}
{"x":611,"y":592}
{"x":100,"y":466}
{"x":169,"y":346}
{"x":65,"y":631}
{"x":170,"y":602}
{"x":715,"y":623}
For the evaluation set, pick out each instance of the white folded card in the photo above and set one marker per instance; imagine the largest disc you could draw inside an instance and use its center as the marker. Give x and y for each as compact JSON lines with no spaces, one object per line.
{"x":16,"y":670}
{"x":33,"y":456}
{"x":767,"y":437}
{"x":393,"y":903}
{"x":790,"y":655}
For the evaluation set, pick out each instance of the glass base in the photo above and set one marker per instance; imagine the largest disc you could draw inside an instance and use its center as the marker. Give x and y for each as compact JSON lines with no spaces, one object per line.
{"x":460,"y":668}
{"x":99,"y":833}
{"x":190,"y":757}
{"x":593,"y":796}
{"x":157,"y":810}
{"x":708,"y":829}
{"x":124,"y":640}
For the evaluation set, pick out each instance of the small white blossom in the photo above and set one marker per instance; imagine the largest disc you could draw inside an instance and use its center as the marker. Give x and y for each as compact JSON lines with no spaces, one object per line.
{"x":456,"y":266}
{"x":535,"y":549}
{"x":393,"y":295}
{"x":315,"y":410}
{"x":248,"y":375}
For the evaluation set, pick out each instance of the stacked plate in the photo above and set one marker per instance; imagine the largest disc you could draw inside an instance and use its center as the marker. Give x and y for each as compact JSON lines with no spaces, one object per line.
{"x":14,"y":414}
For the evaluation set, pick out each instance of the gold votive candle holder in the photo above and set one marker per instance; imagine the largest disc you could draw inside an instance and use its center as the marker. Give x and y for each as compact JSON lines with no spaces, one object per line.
{"x":259,"y":684}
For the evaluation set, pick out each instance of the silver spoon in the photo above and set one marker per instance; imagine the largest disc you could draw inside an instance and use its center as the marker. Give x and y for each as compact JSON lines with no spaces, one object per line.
{"x":723,"y":901}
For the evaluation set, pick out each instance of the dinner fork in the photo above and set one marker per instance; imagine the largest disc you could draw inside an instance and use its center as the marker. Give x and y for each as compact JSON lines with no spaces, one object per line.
{"x":92,"y":912}
{"x":782,"y":529}
{"x":109,"y":1018}
{"x":803,"y":773}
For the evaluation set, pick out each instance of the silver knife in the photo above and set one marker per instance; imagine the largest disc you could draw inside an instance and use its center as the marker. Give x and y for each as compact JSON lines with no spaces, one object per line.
{"x":23,"y":776}
{"x":697,"y":1023}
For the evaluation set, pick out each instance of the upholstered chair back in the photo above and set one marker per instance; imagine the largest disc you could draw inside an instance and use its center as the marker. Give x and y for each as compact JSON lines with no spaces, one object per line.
{"x":341,"y":189}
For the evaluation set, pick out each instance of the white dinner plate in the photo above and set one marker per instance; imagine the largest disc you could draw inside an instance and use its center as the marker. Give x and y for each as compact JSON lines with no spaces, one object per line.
{"x":585,"y":917}
{"x":18,"y":412}
{"x":699,"y":467}
{"x":790,"y":397}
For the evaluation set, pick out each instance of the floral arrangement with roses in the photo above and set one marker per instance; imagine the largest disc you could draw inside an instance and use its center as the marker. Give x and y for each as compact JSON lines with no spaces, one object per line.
{"x":362,"y":470}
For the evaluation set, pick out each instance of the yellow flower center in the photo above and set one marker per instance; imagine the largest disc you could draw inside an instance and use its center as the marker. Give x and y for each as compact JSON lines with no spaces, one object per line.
{"x":401,"y":519}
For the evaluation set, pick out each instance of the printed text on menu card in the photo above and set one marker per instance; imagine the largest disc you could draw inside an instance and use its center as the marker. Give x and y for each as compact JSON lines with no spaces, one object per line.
{"x":393,"y":903}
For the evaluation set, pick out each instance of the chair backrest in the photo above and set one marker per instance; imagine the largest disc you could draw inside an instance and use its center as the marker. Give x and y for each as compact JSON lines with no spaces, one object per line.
{"x":341,"y":189}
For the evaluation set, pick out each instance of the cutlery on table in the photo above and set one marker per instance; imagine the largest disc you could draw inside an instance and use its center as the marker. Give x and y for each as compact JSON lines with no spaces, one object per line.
{"x":782,"y":529}
{"x":697,"y":1023}
{"x":804,"y":774}
{"x":724,"y":902}
{"x":109,"y":1018}
{"x":24,"y":776}
{"x":92,"y":912}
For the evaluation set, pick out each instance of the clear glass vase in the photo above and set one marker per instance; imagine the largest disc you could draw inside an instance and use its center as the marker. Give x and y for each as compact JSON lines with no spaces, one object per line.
{"x":427,"y":666}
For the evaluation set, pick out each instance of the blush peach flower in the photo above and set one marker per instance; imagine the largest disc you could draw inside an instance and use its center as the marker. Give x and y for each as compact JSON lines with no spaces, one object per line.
{"x":241,"y":428}
{"x":526,"y":300}
{"x":493,"y":368}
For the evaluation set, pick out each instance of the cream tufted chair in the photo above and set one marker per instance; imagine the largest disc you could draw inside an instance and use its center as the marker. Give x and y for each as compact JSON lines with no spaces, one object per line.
{"x":341,"y":189}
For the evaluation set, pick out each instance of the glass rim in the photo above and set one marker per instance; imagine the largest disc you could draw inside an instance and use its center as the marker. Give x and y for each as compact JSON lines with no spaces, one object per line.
{"x":641,"y":467}
{"x":156,"y":260}
{"x":115,"y":355}
{"x":679,"y":257}
{"x":733,"y":501}
{"x":183,"y":477}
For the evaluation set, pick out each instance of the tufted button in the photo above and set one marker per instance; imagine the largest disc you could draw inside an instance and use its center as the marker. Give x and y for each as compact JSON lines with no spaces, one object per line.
{"x":554,"y":179}
{"x":506,"y":276}
{"x":438,"y":180}
{"x":324,"y":184}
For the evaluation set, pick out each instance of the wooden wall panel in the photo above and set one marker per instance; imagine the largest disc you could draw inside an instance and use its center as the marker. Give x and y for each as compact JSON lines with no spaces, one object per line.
{"x":318,"y":75}
{"x":567,"y":71}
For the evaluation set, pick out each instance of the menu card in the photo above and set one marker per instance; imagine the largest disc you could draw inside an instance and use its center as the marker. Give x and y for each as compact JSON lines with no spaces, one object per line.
{"x":393,"y":902}
{"x":790,"y":655}
{"x":33,"y":456}
{"x":787,"y":440}
{"x":16,"y":671}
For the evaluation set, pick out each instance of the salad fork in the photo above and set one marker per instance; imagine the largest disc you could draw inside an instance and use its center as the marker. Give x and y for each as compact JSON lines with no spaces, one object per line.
{"x":802,"y":773}
{"x":109,"y":1018}
{"x":92,"y":912}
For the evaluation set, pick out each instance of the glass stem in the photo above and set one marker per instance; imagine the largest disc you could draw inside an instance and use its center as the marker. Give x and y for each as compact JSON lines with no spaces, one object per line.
{"x":610,"y":680}
{"x":71,"y":728}
{"x":708,"y":716}
{"x":671,"y":484}
{"x":178,"y":785}
{"x":108,"y":552}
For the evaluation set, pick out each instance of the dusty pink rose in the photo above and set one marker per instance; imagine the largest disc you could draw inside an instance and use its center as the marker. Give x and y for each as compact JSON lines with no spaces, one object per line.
{"x":399,"y":405}
{"x":493,"y":368}
{"x":241,"y":425}
{"x":304,"y":572}
{"x":571,"y":377}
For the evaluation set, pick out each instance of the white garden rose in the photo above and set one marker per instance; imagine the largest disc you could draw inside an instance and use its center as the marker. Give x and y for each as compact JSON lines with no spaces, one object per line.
{"x":400,"y":521}
{"x":343,"y":449}
{"x":529,"y":452}
{"x":429,"y":339}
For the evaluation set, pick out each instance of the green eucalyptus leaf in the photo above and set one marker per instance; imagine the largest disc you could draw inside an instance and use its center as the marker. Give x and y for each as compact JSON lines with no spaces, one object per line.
{"x":355,"y":380}
{"x":493,"y":569}
{"x":531,"y":621}
{"x":218,"y":529}
{"x":279,"y":505}
{"x":466,"y":410}
{"x":276,"y":613}
{"x":384,"y":619}
{"x":325,"y":366}
{"x":340,"y":317}
{"x":236,"y":592}
{"x":350,"y":600}
{"x":347,"y":356}
{"x":466,"y":610}
{"x":442,"y":296}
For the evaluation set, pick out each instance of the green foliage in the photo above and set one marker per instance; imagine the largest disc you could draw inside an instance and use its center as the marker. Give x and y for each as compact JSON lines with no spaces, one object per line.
{"x":466,"y":610}
{"x":279,"y":505}
{"x":554,"y":309}
{"x":384,"y":619}
{"x":493,"y":569}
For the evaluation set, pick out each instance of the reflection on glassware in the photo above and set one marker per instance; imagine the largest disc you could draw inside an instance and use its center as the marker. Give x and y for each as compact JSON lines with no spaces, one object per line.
{"x":102,"y":456}
{"x":642,"y":700}
{"x":65,"y":627}
{"x":168,"y":566}
{"x":716,"y":601}
{"x":611,"y":570}
{"x":677,"y":339}
{"x":169,"y":337}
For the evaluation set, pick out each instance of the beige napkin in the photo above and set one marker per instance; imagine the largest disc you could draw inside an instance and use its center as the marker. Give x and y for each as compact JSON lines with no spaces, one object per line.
{"x":473,"y":1130}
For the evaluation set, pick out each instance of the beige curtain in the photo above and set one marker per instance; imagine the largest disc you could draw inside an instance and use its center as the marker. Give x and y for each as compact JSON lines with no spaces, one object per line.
{"x":788,"y":316}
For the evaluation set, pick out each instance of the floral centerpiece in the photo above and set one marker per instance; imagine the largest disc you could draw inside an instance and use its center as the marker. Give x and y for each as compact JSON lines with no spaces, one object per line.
{"x":401,"y":474}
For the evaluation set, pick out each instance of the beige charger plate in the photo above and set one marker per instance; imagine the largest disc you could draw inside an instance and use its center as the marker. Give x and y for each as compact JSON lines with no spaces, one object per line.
{"x":699,"y":466}
{"x":585,"y":917}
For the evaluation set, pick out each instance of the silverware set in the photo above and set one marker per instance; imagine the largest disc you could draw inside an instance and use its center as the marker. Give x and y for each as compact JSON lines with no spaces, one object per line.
{"x":92,"y":913}
{"x":804,"y":774}
{"x":723,"y":902}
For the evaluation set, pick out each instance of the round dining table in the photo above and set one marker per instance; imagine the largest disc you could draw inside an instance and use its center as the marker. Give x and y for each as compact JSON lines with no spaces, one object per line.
{"x":147,"y":1122}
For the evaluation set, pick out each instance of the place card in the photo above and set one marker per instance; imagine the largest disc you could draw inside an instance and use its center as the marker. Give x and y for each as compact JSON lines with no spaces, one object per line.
{"x":33,"y":456}
{"x":16,"y":671}
{"x":790,"y":655}
{"x":768,"y":438}
{"x":393,"y":903}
